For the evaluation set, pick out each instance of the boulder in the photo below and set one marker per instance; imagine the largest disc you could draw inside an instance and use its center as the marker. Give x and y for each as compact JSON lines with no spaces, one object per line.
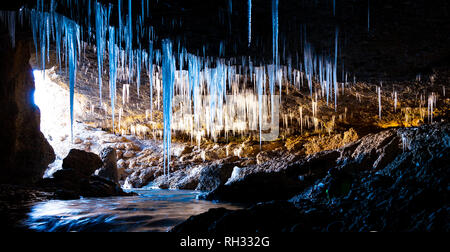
{"x":140,"y":178}
{"x":109,"y":167}
{"x":183,"y":179}
{"x":81,"y":162}
{"x":213,"y":176}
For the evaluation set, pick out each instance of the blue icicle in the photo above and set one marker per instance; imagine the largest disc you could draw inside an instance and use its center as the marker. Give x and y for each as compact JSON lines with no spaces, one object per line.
{"x":112,"y":49}
{"x":168,"y":74}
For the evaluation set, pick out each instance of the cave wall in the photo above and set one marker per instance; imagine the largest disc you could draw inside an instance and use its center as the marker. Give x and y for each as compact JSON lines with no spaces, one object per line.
{"x":24,"y":151}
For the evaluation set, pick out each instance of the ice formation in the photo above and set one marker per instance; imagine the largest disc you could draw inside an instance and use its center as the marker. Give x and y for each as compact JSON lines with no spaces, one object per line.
{"x":202,"y":96}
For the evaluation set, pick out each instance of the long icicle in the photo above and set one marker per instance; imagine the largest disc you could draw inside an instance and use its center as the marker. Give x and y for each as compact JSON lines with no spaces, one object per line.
{"x":168,"y":74}
{"x":112,"y":50}
{"x":249,"y":22}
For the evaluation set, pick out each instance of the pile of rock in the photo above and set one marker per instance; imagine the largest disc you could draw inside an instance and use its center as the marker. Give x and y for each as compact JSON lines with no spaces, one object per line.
{"x":86,"y":174}
{"x":395,"y":180}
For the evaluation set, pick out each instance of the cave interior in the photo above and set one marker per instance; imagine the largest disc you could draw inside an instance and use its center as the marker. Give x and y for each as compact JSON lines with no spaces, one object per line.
{"x":296,"y":115}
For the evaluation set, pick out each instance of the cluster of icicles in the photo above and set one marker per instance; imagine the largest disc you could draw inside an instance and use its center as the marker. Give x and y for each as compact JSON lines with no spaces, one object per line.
{"x":213,"y":95}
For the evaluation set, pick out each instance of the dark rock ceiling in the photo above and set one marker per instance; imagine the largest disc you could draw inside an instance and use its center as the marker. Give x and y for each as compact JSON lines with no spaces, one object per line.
{"x":405,"y":37}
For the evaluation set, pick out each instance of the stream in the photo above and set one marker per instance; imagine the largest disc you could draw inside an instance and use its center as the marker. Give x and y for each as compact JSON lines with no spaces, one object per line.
{"x":153,"y":210}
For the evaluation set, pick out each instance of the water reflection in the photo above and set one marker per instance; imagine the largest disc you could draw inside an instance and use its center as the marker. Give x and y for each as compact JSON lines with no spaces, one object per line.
{"x":153,"y":211}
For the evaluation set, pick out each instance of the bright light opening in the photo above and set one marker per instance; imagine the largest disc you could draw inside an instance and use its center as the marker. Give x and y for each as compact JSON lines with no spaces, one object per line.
{"x":53,"y":102}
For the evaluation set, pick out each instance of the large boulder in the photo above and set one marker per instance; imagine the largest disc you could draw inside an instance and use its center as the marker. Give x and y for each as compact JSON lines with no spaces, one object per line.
{"x":109,"y":167}
{"x":182,"y":179}
{"x":140,"y":177}
{"x":81,"y":162}
{"x":213,"y":176}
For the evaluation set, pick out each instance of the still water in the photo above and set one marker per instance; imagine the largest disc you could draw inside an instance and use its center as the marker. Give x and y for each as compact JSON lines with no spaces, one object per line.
{"x":151,"y":211}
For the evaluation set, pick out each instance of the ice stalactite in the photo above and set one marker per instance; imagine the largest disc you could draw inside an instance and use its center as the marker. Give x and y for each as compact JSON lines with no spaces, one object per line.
{"x":150,"y":75}
{"x":379,"y":102}
{"x":89,"y":18}
{"x":73,"y":39}
{"x":431,"y":106}
{"x":142,"y":8}
{"x":395,"y":101}
{"x":168,"y":75}
{"x":58,"y":33}
{"x":42,"y":38}
{"x":308,"y":65}
{"x":249,"y":22}
{"x":129,"y":42}
{"x":336,"y":90}
{"x":119,"y":16}
{"x":138,"y":69}
{"x":113,"y":56}
{"x":275,"y":41}
{"x":100,"y":30}
{"x":406,"y":142}
{"x":260,"y":82}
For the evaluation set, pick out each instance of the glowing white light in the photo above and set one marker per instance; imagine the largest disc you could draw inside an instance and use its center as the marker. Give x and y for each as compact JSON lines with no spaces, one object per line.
{"x":54,"y":104}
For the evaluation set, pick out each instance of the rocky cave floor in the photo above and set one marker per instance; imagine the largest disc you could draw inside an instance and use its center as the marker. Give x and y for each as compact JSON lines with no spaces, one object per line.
{"x":352,"y":172}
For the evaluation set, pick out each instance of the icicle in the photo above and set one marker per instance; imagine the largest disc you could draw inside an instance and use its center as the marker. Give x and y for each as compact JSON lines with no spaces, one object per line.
{"x":100,"y":30}
{"x":112,"y":50}
{"x":395,"y":101}
{"x":138,"y":69}
{"x":275,"y":32}
{"x":406,"y":142}
{"x":150,"y":75}
{"x":12,"y":27}
{"x":130,"y":41}
{"x":249,"y":22}
{"x":260,"y":83}
{"x":379,"y":102}
{"x":335,"y":69}
{"x":119,"y":7}
{"x":58,"y":31}
{"x":431,"y":106}
{"x":168,"y":74}
{"x":72,"y":37}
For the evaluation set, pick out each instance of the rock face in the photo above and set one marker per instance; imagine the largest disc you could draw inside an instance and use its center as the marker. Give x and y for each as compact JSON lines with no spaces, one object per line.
{"x":264,"y":217}
{"x":109,"y":167}
{"x":76,"y":178}
{"x":373,"y":151}
{"x":395,"y":180}
{"x":213,"y":176}
{"x":25,"y":153}
{"x":284,"y":184}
